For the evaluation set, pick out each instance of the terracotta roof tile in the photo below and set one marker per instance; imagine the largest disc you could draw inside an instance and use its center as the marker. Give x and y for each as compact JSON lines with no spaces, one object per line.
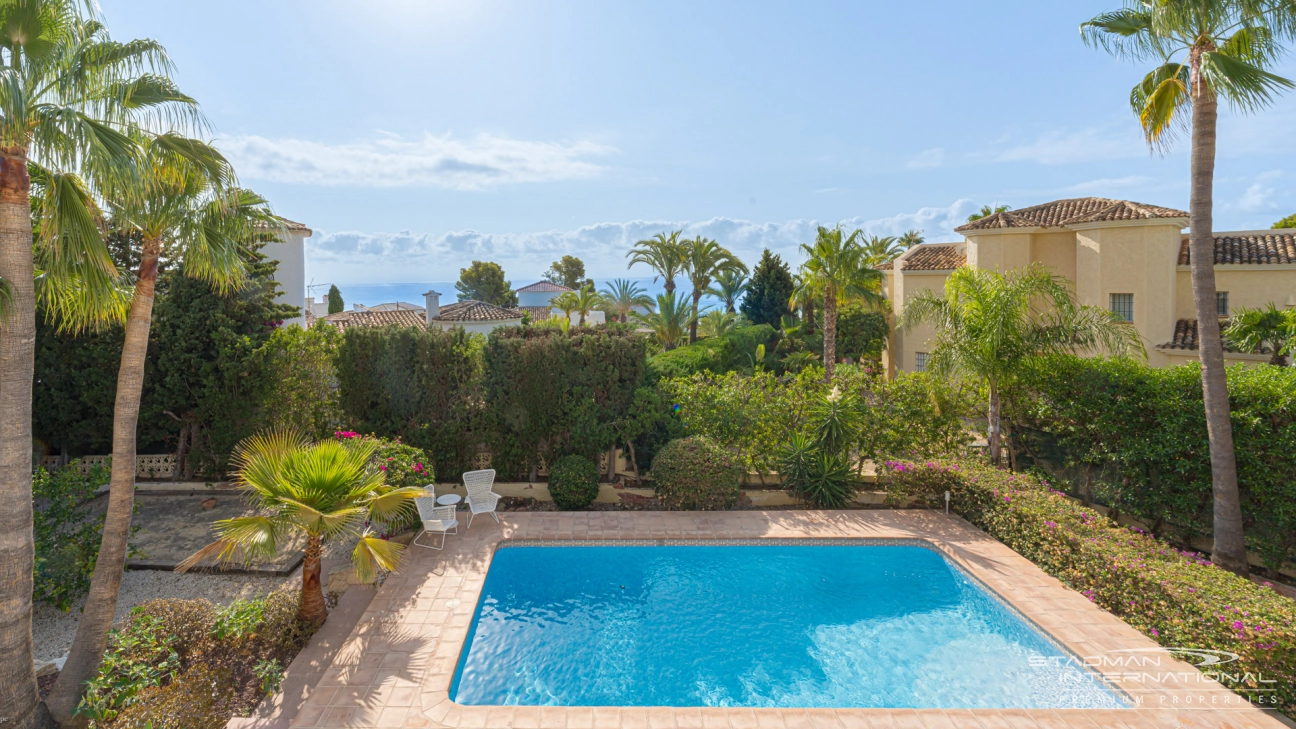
{"x":1070,"y":212}
{"x":933,"y":257}
{"x":543,"y":286}
{"x":1256,"y":247}
{"x":1185,"y":337}
{"x":344,"y":320}
{"x":471,"y":310}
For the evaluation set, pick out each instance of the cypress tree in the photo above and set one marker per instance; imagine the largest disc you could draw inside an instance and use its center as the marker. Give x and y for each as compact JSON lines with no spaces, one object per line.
{"x":336,"y":305}
{"x":767,"y":297}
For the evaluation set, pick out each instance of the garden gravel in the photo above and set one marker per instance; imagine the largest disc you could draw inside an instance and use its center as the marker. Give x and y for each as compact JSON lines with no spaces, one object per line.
{"x":53,"y":629}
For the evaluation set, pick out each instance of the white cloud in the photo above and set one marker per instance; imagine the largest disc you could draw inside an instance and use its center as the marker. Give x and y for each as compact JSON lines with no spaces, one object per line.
{"x":389,"y":161}
{"x":1065,"y":146}
{"x":933,"y":157}
{"x":355,"y":257}
{"x":1259,"y":194}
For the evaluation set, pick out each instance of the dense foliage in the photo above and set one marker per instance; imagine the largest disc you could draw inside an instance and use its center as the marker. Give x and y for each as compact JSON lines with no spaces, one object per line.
{"x":67,"y":532}
{"x":1176,"y":598}
{"x":550,"y":394}
{"x":421,"y":386}
{"x":736,"y":350}
{"x":1137,"y":436}
{"x":861,"y":332}
{"x":335,"y":303}
{"x":573,"y":482}
{"x":191,"y":664}
{"x":696,"y":474}
{"x":768,"y":292}
{"x":301,"y":365}
{"x":484,"y":281}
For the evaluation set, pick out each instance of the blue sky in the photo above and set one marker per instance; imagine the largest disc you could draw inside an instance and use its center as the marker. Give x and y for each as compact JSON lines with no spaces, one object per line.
{"x":417,"y":135}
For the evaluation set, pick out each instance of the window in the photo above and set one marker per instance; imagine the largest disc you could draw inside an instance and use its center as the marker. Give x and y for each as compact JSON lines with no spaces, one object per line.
{"x":1221,"y":303}
{"x":1122,"y":305}
{"x":920,"y":361}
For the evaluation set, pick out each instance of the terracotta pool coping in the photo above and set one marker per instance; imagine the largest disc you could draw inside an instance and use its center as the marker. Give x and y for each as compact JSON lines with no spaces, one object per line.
{"x":396,"y":667}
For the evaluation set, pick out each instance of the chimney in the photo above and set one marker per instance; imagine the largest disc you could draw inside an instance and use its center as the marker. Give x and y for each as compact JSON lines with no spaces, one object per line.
{"x":432,"y":302}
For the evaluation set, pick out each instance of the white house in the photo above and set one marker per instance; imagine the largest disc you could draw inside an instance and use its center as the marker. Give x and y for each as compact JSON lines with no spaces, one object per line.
{"x":290,"y":252}
{"x":537,"y":300}
{"x":473,"y":316}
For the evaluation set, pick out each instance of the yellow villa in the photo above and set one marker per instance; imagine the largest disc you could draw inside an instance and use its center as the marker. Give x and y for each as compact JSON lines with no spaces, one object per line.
{"x":1124,"y":256}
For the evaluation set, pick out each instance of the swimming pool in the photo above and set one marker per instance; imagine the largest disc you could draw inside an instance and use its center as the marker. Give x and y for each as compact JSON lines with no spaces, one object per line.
{"x":779,"y":625}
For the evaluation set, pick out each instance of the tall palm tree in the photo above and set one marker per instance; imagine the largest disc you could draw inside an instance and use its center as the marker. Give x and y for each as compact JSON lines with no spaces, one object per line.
{"x":585,"y":300}
{"x":179,"y":200}
{"x":730,"y":285}
{"x":326,"y":491}
{"x":669,"y":323}
{"x":988,"y":324}
{"x":69,"y":95}
{"x":1265,"y":330}
{"x":835,"y":270}
{"x":704,"y":259}
{"x":623,"y":296}
{"x":1206,"y":49}
{"x":663,"y":254}
{"x":881,"y":250}
{"x":911,"y":238}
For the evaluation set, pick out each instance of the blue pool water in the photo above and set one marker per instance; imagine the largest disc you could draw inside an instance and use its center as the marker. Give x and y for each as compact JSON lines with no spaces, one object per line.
{"x":812,"y":626}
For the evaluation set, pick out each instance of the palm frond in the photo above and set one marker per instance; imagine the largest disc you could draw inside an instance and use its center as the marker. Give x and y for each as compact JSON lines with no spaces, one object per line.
{"x":1125,"y":33}
{"x":371,"y":554}
{"x":1245,"y":86}
{"x":1162,"y":102}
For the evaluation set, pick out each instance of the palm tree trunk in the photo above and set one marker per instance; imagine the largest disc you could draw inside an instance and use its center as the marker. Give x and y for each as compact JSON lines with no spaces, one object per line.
{"x":830,"y":334}
{"x":670,"y":284}
{"x":993,"y":433}
{"x":101,"y":606}
{"x":1230,"y":549}
{"x":697,"y":296}
{"x":312,"y":608}
{"x":807,"y":313}
{"x":19,"y":703}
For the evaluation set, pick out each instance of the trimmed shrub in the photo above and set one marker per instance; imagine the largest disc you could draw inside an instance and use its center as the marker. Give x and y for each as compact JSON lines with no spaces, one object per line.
{"x":573,"y":483}
{"x":67,"y":533}
{"x":734,"y":350}
{"x":197,"y":699}
{"x":696,"y":474}
{"x":1177,"y":598}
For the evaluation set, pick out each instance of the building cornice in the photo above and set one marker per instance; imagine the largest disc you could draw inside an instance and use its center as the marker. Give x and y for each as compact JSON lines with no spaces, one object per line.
{"x":1247,"y":267}
{"x":1177,"y":223}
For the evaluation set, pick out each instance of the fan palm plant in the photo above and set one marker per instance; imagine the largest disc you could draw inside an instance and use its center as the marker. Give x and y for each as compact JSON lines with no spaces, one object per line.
{"x":584,"y":301}
{"x":704,"y":259}
{"x":669,"y":323}
{"x":730,"y":285}
{"x":989,"y":325}
{"x":325,"y":491}
{"x":835,"y":270}
{"x":881,"y":250}
{"x":623,"y":296}
{"x":1265,"y":330}
{"x":179,"y":202}
{"x":69,"y":96}
{"x":663,"y":254}
{"x":1207,"y":49}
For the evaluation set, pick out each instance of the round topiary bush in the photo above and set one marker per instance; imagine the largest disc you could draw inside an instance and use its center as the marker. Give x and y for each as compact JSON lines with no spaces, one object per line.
{"x":695,"y":473}
{"x":573,"y":483}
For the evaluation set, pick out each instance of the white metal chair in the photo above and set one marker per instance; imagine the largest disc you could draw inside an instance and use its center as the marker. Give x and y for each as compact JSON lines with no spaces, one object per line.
{"x":481,"y":500}
{"x":436,"y":519}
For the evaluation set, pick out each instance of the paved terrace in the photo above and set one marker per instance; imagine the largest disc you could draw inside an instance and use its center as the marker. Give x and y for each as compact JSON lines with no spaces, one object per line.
{"x":395,"y":668}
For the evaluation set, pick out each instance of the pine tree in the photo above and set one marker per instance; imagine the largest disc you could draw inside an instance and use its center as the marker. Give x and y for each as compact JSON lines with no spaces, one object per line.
{"x":767,"y":297}
{"x":335,"y":302}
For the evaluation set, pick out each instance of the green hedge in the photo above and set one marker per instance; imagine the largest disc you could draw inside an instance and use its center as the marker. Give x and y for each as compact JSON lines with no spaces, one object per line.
{"x":696,"y":474}
{"x":550,"y":393}
{"x":423,"y":387}
{"x":735,"y":350}
{"x":1140,"y":434}
{"x":573,"y":483}
{"x":1176,"y":598}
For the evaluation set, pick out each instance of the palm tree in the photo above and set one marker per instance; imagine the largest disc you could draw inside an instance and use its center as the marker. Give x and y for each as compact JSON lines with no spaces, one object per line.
{"x":704,"y":259}
{"x":717,"y":323}
{"x":803,"y":298}
{"x":326,"y":491}
{"x":1206,"y":49}
{"x":669,"y":323}
{"x":879,"y":251}
{"x":986,"y":211}
{"x":663,"y":254}
{"x":1264,"y":330}
{"x":566,"y":303}
{"x":623,"y":296}
{"x":989,"y":324}
{"x":180,"y":204}
{"x":911,"y":238}
{"x":584,"y":301}
{"x":836,"y":270}
{"x":70,"y":96}
{"x":730,"y":285}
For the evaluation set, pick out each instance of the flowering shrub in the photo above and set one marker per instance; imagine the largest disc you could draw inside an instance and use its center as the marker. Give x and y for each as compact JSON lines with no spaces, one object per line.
{"x":1177,"y":598}
{"x":403,"y":465}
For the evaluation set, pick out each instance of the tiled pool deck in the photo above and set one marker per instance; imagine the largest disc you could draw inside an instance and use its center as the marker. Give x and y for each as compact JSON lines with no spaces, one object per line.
{"x":395,"y":669}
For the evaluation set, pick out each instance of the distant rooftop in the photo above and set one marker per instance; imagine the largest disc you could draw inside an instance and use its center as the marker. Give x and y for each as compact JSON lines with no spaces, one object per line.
{"x":471,"y":310}
{"x":1072,"y":211}
{"x":542,"y":287}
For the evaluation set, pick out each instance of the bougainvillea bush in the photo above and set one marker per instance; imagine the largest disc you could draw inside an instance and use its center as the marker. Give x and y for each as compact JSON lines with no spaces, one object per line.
{"x":1177,"y":598}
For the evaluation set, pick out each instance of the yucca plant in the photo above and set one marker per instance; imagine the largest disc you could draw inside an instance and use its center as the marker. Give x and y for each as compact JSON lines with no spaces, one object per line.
{"x":324,"y":490}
